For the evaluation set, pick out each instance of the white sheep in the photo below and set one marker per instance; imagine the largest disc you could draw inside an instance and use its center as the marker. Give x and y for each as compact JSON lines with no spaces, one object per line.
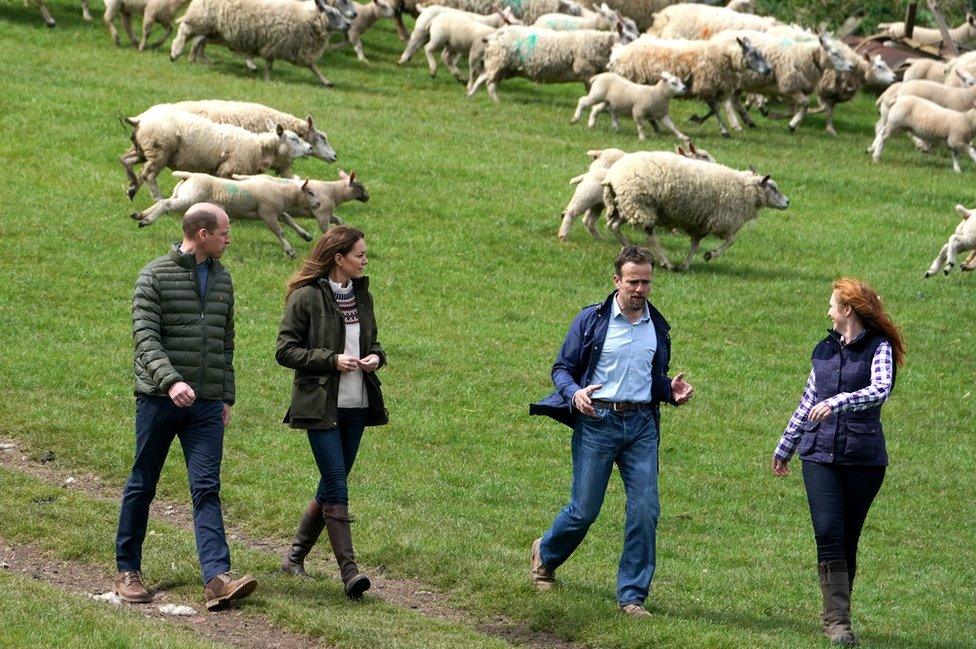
{"x":420,"y":35}
{"x":711,"y":69}
{"x":152,"y":12}
{"x":367,"y":15}
{"x":544,"y":56}
{"x":330,"y":195}
{"x":698,"y":21}
{"x":930,"y":123}
{"x":297,"y":32}
{"x":611,"y":92}
{"x":661,"y":189}
{"x":455,"y":33}
{"x":603,"y":18}
{"x":964,"y":34}
{"x":963,"y":239}
{"x":49,"y":19}
{"x":187,"y":142}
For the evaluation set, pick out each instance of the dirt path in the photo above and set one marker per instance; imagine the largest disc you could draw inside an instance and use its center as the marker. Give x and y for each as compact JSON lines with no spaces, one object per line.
{"x":406,"y":593}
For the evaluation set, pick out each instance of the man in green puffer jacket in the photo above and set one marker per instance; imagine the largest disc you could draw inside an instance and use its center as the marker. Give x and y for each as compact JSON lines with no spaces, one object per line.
{"x":183,"y":329}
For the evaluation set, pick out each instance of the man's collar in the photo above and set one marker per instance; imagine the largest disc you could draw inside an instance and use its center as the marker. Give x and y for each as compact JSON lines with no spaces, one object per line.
{"x":615,"y":310}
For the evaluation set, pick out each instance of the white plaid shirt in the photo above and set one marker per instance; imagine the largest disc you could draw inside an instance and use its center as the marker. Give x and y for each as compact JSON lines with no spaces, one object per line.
{"x":882,"y":370}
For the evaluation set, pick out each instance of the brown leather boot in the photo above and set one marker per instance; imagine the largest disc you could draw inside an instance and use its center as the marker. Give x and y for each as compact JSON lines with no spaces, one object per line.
{"x":337,"y":522}
{"x":309,"y":530}
{"x":835,"y":588}
{"x":223,"y":588}
{"x":128,"y":585}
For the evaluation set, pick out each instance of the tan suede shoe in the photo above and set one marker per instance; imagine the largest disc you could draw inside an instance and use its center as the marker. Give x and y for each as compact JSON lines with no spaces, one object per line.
{"x":223,"y":588}
{"x":634,"y":610}
{"x":128,"y":585}
{"x":542,"y":577}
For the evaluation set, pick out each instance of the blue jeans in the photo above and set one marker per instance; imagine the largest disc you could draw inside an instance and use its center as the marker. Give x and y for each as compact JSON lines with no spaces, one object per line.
{"x":629,"y":439}
{"x":201,"y":432}
{"x":335,"y":451}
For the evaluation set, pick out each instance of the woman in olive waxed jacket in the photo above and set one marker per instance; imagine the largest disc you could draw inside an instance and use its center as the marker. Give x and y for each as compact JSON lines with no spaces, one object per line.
{"x":328,"y":336}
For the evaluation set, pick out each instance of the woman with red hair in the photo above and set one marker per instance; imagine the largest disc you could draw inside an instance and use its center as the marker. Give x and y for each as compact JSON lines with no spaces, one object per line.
{"x":837,"y":432}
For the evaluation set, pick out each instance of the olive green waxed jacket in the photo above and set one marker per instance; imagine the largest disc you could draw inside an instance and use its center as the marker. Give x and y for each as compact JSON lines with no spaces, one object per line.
{"x":178,"y":336}
{"x":311,"y":335}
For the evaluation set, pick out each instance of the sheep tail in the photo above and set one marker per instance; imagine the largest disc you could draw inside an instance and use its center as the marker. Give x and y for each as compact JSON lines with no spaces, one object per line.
{"x":575,"y":180}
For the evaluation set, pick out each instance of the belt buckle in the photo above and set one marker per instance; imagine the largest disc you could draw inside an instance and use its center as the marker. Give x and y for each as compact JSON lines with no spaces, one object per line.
{"x":617,"y":406}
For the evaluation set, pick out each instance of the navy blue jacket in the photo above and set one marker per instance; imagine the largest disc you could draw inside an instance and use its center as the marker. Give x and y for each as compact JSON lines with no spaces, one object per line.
{"x":580,"y":352}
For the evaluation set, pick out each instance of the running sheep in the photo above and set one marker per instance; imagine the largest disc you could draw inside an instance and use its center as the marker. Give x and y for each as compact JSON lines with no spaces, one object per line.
{"x":930,"y":123}
{"x":420,"y":35}
{"x":604,"y":19}
{"x":963,"y":239}
{"x":455,"y":33}
{"x":698,"y":21}
{"x":611,"y":92}
{"x":838,"y":87}
{"x":187,"y":142}
{"x":330,"y":195}
{"x":367,"y":15}
{"x":526,"y":11}
{"x":152,"y":12}
{"x":660,"y":189}
{"x":297,"y":32}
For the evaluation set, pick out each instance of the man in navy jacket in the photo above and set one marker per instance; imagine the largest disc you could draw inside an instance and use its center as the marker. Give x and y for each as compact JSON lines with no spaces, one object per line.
{"x":611,"y":374}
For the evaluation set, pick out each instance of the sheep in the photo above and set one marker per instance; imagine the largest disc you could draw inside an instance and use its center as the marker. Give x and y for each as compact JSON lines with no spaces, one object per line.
{"x":455,"y":33}
{"x":152,"y":12}
{"x":604,"y":18}
{"x":255,"y":117}
{"x":931,"y":123}
{"x":712,"y":70}
{"x":520,"y":9}
{"x":964,"y":34}
{"x":958,"y":99}
{"x":698,"y":21}
{"x":366,"y":16}
{"x":297,"y":32}
{"x":256,"y":197}
{"x":544,"y":56}
{"x":421,"y":29}
{"x":836,"y":87}
{"x":742,"y":6}
{"x":963,"y":239}
{"x":49,"y":19}
{"x":610,"y":91}
{"x":588,"y":197}
{"x":187,"y":142}
{"x":329,"y":194}
{"x":661,"y":189}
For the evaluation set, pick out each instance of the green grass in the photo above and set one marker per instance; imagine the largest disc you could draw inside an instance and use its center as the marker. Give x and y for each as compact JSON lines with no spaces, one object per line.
{"x":473,"y":295}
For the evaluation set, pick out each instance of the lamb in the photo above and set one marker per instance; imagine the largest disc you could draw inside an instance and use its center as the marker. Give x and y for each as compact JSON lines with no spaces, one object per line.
{"x":963,"y":239}
{"x":187,"y":142}
{"x":330,"y":195}
{"x":49,"y":19}
{"x":610,"y":91}
{"x":588,"y":196}
{"x":712,"y":70}
{"x":255,"y":117}
{"x":255,"y":197}
{"x":526,"y":11}
{"x":297,"y":32}
{"x":604,"y":19}
{"x":152,"y":12}
{"x":698,"y":21}
{"x":421,"y":29}
{"x":959,"y":99}
{"x":544,"y":56}
{"x":455,"y":33}
{"x":366,"y":16}
{"x":939,"y":71}
{"x":964,"y":34}
{"x":930,"y":123}
{"x":660,"y":189}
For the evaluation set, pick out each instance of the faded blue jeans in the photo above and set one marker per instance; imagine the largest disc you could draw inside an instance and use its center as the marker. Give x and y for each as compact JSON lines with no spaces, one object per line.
{"x":629,"y":439}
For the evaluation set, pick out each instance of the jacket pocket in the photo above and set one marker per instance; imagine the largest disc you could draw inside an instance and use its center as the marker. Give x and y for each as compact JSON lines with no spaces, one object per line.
{"x":809,"y":439}
{"x":863,"y":440}
{"x":309,"y":398}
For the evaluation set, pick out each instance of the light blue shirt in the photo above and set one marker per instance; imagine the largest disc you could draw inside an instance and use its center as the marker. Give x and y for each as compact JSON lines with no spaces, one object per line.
{"x":624,"y":368}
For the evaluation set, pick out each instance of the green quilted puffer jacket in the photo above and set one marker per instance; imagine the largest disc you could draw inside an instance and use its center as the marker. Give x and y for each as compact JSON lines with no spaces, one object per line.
{"x":178,"y":336}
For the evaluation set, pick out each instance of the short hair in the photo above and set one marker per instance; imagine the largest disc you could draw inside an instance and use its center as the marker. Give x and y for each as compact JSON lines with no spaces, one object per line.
{"x":199,"y":218}
{"x":633,"y":255}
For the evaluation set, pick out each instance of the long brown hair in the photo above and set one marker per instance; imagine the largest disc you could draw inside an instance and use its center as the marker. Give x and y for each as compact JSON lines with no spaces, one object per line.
{"x":338,"y":240}
{"x":866,"y":303}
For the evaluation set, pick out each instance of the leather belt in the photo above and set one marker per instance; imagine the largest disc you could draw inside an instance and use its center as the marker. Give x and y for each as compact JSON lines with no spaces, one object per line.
{"x":620,"y":405}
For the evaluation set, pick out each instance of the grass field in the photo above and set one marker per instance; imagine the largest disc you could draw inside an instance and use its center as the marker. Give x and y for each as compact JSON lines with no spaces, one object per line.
{"x":473,"y":295}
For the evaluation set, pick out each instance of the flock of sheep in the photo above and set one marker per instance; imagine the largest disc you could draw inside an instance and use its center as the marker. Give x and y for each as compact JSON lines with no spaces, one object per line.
{"x":717,"y":55}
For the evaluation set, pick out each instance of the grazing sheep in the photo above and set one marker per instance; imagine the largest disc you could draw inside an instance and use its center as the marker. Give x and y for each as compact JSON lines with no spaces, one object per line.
{"x":420,"y":35}
{"x":254,"y":197}
{"x":964,"y":34}
{"x":836,"y":87}
{"x":366,"y":16}
{"x":544,"y":56}
{"x":454,"y":33}
{"x":329,"y":194}
{"x":698,"y":21}
{"x":188,"y":142}
{"x":49,"y":19}
{"x":930,"y":123}
{"x":660,"y":189}
{"x":611,"y":92}
{"x":297,"y":32}
{"x":152,"y":12}
{"x":963,"y":239}
{"x":711,"y":69}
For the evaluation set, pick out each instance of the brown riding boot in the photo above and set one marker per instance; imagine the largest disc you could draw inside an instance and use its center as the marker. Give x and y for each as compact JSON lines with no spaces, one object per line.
{"x":337,"y":522}
{"x":835,"y":588}
{"x":309,"y":530}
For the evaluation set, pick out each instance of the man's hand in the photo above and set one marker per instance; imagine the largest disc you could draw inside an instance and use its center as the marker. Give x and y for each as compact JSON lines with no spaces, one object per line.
{"x":819,"y":412}
{"x":182,"y":395}
{"x":781,"y":468}
{"x":370,"y":363}
{"x":346,"y":363}
{"x":681,"y":390}
{"x":225,"y":415}
{"x":581,"y":400}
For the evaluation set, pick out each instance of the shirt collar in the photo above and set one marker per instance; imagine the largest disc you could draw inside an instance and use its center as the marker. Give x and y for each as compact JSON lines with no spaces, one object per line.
{"x":615,"y":311}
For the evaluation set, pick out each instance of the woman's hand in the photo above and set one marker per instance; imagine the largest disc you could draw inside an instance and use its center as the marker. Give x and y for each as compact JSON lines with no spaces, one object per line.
{"x":780,"y":468}
{"x":819,"y":412}
{"x":346,"y":363}
{"x":370,"y":363}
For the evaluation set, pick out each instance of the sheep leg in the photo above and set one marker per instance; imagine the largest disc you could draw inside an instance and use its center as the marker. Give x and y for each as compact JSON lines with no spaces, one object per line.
{"x":613,"y":224}
{"x":290,"y":222}
{"x":829,"y":111}
{"x":271,"y":220}
{"x":594,"y":112}
{"x":168,"y":29}
{"x":85,"y":13}
{"x":695,"y":242}
{"x":323,"y":216}
{"x":955,"y":161}
{"x":127,"y":25}
{"x":640,"y":127}
{"x":111,"y":12}
{"x":568,"y":215}
{"x":182,"y":34}
{"x":657,"y":251}
{"x":731,"y":116}
{"x":357,"y":47}
{"x":736,"y":102}
{"x":701,"y":119}
{"x":198,"y":50}
{"x":150,"y":171}
{"x":335,"y":220}
{"x":940,"y":260}
{"x":615,"y":120}
{"x":267,"y":69}
{"x":801,"y":105}
{"x":668,"y":124}
{"x":970,"y":263}
{"x":654,"y":125}
{"x":167,"y":205}
{"x":921,"y":144}
{"x":431,"y":61}
{"x":128,"y":159}
{"x":477,"y":83}
{"x":45,"y":14}
{"x":452,"y":64}
{"x":590,"y":218}
{"x":723,"y":129}
{"x":147,"y":24}
{"x":879,"y":141}
{"x":402,"y":32}
{"x":325,"y":82}
{"x":712,"y":254}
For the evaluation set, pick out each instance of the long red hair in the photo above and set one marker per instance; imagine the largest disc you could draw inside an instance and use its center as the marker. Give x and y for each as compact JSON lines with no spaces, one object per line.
{"x":866,"y":304}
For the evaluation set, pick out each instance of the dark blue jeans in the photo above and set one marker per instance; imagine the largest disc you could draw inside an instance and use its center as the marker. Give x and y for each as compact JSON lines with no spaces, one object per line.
{"x":201,"y":432}
{"x":335,"y":451}
{"x":629,"y":439}
{"x":840,"y":496}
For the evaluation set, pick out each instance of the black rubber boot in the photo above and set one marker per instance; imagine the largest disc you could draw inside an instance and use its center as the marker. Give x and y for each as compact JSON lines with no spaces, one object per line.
{"x":337,"y":522}
{"x":309,"y":530}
